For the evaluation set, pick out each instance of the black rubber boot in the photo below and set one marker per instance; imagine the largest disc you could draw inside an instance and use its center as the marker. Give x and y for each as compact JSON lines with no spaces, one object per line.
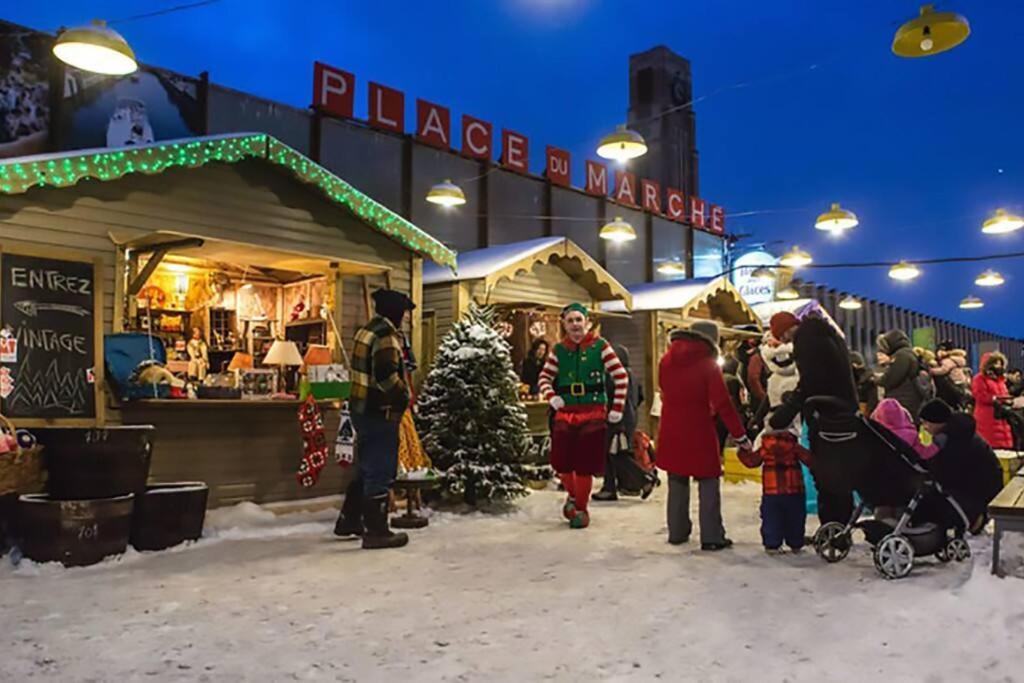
{"x":350,"y":521}
{"x":378,"y":533}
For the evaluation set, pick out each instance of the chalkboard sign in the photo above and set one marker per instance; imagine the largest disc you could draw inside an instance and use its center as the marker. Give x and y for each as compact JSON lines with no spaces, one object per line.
{"x":47,"y":337}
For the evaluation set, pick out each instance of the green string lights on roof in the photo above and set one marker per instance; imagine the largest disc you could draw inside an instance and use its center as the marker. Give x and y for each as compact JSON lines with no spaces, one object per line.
{"x":66,"y":170}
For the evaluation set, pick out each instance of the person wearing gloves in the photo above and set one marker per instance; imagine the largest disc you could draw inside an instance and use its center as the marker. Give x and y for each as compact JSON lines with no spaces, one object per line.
{"x":573,"y":383}
{"x":989,"y":388}
{"x":693,"y":393}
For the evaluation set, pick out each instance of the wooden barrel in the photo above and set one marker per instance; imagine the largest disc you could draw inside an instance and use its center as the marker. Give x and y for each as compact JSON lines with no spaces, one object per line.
{"x":169,"y":514}
{"x":73,"y":532}
{"x":88,"y":463}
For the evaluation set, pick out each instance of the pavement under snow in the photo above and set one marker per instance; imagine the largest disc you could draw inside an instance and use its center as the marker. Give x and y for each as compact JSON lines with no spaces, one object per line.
{"x":516,"y":597}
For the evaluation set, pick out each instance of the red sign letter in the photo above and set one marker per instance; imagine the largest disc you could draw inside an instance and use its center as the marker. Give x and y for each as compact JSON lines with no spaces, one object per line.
{"x":625,"y":187}
{"x":676,"y":204}
{"x":476,"y":138}
{"x":387,"y":108}
{"x":717,"y":220}
{"x":557,"y":166}
{"x":433,"y":124}
{"x":697,"y":212}
{"x":651,"y":192}
{"x":515,"y":151}
{"x":333,"y":90}
{"x":597,"y":179}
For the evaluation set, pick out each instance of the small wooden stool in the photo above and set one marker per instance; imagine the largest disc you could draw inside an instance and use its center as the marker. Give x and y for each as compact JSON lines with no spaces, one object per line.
{"x":412,"y":487}
{"x":1007,"y":512}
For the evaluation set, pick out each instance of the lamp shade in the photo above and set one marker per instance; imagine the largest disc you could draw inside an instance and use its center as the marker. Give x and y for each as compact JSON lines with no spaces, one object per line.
{"x":795,"y":258}
{"x":446,"y":194}
{"x":989,"y":278}
{"x":317,"y":354}
{"x":788,"y":294}
{"x":622,"y":145}
{"x":850,"y":303}
{"x":904,"y":271}
{"x":763,"y":273}
{"x":672,"y":267}
{"x":240,"y":361}
{"x":836,"y":219}
{"x":930,"y":33}
{"x":618,"y":231}
{"x":283,"y":353}
{"x":96,"y":48}
{"x":1002,"y":221}
{"x":971,"y":302}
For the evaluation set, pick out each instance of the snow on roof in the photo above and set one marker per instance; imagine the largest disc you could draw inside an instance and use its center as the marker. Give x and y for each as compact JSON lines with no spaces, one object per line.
{"x":654,"y":296}
{"x":479,"y":263}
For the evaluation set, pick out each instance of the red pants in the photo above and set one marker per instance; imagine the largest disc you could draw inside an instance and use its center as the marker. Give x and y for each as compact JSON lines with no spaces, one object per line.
{"x":579,"y":440}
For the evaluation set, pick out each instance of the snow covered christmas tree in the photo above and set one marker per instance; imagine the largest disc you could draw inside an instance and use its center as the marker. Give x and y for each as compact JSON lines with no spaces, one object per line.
{"x":469,"y":416}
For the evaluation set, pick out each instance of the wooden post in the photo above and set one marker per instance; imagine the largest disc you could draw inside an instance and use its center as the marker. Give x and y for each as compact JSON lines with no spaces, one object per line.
{"x":368,"y":308}
{"x":416,"y":319}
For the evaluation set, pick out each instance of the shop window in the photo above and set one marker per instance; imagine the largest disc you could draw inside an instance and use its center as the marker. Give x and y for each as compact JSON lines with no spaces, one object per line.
{"x":708,"y":255}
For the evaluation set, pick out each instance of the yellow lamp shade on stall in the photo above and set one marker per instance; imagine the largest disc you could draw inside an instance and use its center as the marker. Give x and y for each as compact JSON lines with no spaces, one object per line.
{"x":618,"y":231}
{"x":622,"y":145}
{"x":904,"y":271}
{"x":850,"y":303}
{"x":971,"y":302}
{"x":446,"y":194}
{"x":930,"y":33}
{"x":836,"y":219}
{"x":1001,"y":222}
{"x":990,"y":278}
{"x":788,"y":294}
{"x":796,"y":258}
{"x":96,"y":48}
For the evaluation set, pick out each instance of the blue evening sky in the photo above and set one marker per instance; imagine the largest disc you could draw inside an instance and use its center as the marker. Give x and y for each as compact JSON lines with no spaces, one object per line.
{"x":922,"y":150}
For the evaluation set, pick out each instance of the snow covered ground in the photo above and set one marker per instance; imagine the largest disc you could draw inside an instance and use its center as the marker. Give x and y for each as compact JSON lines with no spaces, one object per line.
{"x":516,"y":597}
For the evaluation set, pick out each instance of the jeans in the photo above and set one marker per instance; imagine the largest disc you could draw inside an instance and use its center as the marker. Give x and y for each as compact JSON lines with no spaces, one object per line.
{"x":376,"y":453}
{"x":783,"y":518}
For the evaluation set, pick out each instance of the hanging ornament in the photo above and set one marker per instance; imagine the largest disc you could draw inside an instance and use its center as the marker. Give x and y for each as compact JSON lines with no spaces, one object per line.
{"x":538,"y":328}
{"x":504,"y":328}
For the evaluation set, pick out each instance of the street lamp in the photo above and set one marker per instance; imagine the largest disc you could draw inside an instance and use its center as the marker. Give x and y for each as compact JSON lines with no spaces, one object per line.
{"x":788,"y":293}
{"x":622,"y":144}
{"x":795,"y":258}
{"x":1001,"y":222}
{"x":904,"y":271}
{"x":836,"y":219}
{"x":989,"y":278}
{"x":618,"y":231}
{"x":763,"y":273}
{"x":930,"y":33}
{"x":971,"y":302}
{"x":96,"y":48}
{"x":850,"y":303}
{"x":446,"y":194}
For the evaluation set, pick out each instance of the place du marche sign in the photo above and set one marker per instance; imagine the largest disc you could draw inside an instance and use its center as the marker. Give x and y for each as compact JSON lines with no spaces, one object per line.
{"x":47,"y":337}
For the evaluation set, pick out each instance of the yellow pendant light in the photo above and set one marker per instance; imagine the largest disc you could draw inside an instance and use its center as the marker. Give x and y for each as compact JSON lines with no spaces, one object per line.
{"x":930,"y":33}
{"x":1002,"y":221}
{"x":836,"y":219}
{"x":618,"y":231}
{"x":788,"y":294}
{"x":763,"y":274}
{"x":446,"y":194}
{"x":795,"y":258}
{"x":971,"y":302}
{"x":904,"y":271}
{"x":850,"y":303}
{"x":672,"y":267}
{"x":96,"y":48}
{"x":622,"y":145}
{"x":990,"y":278}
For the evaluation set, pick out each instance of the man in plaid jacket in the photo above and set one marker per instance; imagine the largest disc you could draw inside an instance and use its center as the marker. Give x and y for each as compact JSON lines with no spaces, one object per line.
{"x":783,"y":503}
{"x":379,"y":398}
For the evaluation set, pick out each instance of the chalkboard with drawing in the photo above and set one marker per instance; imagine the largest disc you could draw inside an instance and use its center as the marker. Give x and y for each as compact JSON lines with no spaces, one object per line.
{"x":48,"y":337}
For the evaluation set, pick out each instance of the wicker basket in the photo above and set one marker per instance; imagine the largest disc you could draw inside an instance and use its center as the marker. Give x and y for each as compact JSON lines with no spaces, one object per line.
{"x":21,"y":470}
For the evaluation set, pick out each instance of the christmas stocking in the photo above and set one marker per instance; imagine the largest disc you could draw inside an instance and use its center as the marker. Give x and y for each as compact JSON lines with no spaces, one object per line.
{"x":314,"y":443}
{"x":345,"y":443}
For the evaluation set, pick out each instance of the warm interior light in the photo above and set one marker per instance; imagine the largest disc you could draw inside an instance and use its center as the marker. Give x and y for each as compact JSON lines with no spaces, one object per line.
{"x":1002,"y":221}
{"x":989,"y":278}
{"x":446,"y":194}
{"x":622,"y":145}
{"x":96,"y":48}
{"x":618,"y":231}
{"x":850,"y":304}
{"x":836,"y":219}
{"x":971,"y":302}
{"x":795,"y":258}
{"x":904,"y":271}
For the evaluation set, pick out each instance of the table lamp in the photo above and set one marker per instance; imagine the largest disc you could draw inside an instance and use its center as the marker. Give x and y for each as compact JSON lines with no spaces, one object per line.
{"x":283,"y":353}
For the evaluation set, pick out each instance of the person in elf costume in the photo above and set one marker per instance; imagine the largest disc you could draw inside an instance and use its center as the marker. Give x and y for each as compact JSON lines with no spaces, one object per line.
{"x":573,"y":383}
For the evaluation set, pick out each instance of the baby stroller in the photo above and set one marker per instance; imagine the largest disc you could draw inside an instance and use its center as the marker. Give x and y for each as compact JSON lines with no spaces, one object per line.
{"x":855,"y":454}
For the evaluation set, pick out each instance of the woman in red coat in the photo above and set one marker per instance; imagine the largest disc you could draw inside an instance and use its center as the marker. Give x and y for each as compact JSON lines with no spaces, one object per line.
{"x":692,"y":393}
{"x":988,"y":386}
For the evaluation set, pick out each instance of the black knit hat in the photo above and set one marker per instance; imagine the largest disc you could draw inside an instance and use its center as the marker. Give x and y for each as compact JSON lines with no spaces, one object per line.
{"x":392,"y":304}
{"x":936,"y":410}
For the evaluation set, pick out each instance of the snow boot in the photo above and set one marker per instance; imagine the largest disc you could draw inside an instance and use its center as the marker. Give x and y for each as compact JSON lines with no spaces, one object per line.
{"x":378,"y":534}
{"x":605,"y":496}
{"x":569,"y":509}
{"x":717,"y":545}
{"x":581,"y":520}
{"x":350,"y":520}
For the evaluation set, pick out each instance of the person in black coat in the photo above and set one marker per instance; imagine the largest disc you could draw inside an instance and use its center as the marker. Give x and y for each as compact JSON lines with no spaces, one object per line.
{"x":620,"y":464}
{"x":965,"y":466}
{"x":533,"y":364}
{"x":901,"y":370}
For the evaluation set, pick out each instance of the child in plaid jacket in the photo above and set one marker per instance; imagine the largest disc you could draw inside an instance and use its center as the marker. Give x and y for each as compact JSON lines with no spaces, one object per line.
{"x":783,"y":504}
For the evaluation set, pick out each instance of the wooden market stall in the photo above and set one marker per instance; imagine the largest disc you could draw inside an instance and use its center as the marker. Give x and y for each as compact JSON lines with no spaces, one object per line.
{"x":660,"y":307}
{"x":528,"y":283}
{"x":229,"y":242}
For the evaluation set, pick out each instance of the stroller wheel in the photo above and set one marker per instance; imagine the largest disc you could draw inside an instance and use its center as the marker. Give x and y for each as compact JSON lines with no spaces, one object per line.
{"x":894,"y":557}
{"x":957,"y":549}
{"x":832,"y":542}
{"x":942,"y":554}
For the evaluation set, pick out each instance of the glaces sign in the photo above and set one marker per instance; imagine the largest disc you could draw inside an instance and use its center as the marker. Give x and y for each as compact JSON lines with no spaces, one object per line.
{"x":334,"y":95}
{"x":754,"y":291}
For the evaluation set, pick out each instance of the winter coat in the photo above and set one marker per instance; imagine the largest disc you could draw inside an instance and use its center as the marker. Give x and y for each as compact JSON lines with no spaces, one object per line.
{"x":899,"y":380}
{"x":954,"y":365}
{"x":531,"y":373}
{"x":966,"y":466}
{"x":894,"y":417}
{"x":634,"y":396}
{"x":987,"y":389}
{"x":781,"y":454}
{"x":692,"y":394}
{"x":867,"y":388}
